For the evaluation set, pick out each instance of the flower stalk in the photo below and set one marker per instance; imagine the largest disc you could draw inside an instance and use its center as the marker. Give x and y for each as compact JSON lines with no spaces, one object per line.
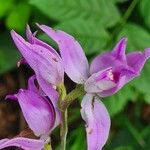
{"x":63,"y":104}
{"x":64,"y":129}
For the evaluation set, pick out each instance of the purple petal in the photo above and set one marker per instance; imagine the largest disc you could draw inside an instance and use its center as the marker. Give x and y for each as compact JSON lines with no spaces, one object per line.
{"x":110,"y":59}
{"x":33,"y":40}
{"x":53,"y":96}
{"x":29,"y":34}
{"x":74,"y":59}
{"x":104,"y":61}
{"x":136,"y":60}
{"x":97,"y":121}
{"x":120,"y":84}
{"x":24,"y":143}
{"x":21,"y":61}
{"x":121,"y":76}
{"x":101,"y":81}
{"x":119,"y":51}
{"x":31,"y":84}
{"x":38,"y":112}
{"x":25,"y":49}
{"x":40,"y":59}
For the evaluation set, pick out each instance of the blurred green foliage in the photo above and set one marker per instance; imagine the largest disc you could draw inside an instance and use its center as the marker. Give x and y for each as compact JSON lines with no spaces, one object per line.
{"x":97,"y":25}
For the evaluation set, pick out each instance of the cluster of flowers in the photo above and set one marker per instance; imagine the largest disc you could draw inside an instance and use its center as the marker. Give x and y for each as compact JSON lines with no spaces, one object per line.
{"x":107,"y":74}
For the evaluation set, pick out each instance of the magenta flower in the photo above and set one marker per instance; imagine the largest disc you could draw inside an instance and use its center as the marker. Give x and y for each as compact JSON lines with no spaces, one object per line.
{"x":45,"y":62}
{"x":39,"y":114}
{"x":98,"y":121}
{"x":24,"y":143}
{"x":43,"y":59}
{"x":107,"y":74}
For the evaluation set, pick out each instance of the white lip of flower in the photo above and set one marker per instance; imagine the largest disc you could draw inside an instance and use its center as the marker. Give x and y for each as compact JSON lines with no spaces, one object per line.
{"x":110,"y":75}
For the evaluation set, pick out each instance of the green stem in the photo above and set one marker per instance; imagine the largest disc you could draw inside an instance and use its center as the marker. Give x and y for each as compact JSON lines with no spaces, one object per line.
{"x":64,"y":129}
{"x":63,"y":103}
{"x":122,"y":21}
{"x":74,"y":94}
{"x":47,"y":147}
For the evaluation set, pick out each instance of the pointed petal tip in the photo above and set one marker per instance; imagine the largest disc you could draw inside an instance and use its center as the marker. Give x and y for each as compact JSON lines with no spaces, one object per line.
{"x":125,"y":39}
{"x":147,"y":52}
{"x":37,"y":24}
{"x":27,"y":26}
{"x":12,"y":97}
{"x":13,"y":33}
{"x":23,"y":143}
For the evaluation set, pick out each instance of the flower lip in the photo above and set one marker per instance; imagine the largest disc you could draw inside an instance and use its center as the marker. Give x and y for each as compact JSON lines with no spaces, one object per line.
{"x":108,"y":75}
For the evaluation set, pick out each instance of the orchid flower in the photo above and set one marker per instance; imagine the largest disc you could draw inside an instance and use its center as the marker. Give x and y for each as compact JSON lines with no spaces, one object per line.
{"x":43,"y":59}
{"x":39,"y":114}
{"x":46,"y":63}
{"x":107,"y":74}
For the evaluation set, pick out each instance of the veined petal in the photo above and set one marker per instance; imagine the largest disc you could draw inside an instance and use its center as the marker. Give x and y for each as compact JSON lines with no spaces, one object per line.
{"x":53,"y":96}
{"x":136,"y":60}
{"x":119,"y":50}
{"x":30,"y":36}
{"x":121,"y":76}
{"x":33,"y":40}
{"x":40,"y":59}
{"x":38,"y":112}
{"x":31,"y":84}
{"x":113,"y":59}
{"x":24,"y":143}
{"x":74,"y":60}
{"x":97,"y":121}
{"x":120,"y":84}
{"x":103,"y":61}
{"x":25,"y":49}
{"x":101,"y":81}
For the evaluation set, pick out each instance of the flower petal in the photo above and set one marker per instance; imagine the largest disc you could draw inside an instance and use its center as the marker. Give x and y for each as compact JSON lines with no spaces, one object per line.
{"x":40,"y":59}
{"x":33,"y":40}
{"x":53,"y":96}
{"x":119,"y":50}
{"x":38,"y":112}
{"x":31,"y":84}
{"x":101,"y":81}
{"x":104,"y":61}
{"x":136,"y":60}
{"x":24,"y":143}
{"x":97,"y":121}
{"x":110,"y":59}
{"x":121,"y":76}
{"x":25,"y":49}
{"x":71,"y":53}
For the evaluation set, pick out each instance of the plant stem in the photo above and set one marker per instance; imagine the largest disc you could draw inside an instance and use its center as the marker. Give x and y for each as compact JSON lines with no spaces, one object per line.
{"x":122,"y":21}
{"x":64,"y":129}
{"x":63,"y":104}
{"x":74,"y":94}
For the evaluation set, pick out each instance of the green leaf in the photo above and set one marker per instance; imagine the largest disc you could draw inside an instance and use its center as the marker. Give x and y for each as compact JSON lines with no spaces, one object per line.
{"x":138,"y":39}
{"x":144,"y":6}
{"x":123,"y":148}
{"x":5,"y":7}
{"x":8,"y":54}
{"x":102,"y":11}
{"x":116,"y":103}
{"x":92,"y":37}
{"x":18,"y":18}
{"x":77,"y":138}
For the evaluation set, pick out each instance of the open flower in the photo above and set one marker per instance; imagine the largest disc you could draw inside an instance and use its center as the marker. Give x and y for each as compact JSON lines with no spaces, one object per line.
{"x":108,"y":73}
{"x":39,"y":114}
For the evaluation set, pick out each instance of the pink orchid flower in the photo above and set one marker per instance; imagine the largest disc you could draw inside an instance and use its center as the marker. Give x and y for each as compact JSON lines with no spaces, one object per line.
{"x":107,"y":74}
